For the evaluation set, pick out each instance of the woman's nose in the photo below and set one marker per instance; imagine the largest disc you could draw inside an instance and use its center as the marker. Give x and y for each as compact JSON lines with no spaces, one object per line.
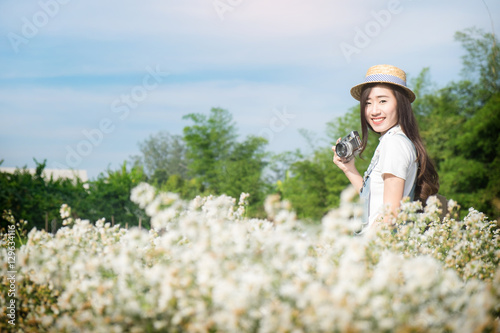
{"x":373,"y":109}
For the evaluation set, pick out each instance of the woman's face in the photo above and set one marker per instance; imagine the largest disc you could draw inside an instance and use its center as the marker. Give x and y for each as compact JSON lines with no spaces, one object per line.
{"x":381,"y":109}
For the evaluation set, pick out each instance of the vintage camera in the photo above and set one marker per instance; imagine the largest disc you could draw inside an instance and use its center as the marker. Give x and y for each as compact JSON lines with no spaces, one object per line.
{"x":347,"y":146}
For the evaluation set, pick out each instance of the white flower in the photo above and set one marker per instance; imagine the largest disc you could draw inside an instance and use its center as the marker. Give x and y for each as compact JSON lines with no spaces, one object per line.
{"x":243,"y":199}
{"x":208,"y":267}
{"x":142,"y":194}
{"x":65,"y":211}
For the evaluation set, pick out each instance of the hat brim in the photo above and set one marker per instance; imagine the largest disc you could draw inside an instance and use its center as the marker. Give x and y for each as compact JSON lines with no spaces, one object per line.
{"x":357,"y":89}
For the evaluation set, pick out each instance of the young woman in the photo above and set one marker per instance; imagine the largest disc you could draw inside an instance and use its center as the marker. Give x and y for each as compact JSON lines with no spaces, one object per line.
{"x":400,"y":166}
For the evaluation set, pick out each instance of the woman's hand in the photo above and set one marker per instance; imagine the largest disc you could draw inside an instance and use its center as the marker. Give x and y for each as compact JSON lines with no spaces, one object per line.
{"x":344,"y":166}
{"x":349,"y":168}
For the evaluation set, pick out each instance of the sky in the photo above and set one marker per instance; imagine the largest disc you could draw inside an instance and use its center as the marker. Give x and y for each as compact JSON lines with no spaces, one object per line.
{"x":82,"y":83}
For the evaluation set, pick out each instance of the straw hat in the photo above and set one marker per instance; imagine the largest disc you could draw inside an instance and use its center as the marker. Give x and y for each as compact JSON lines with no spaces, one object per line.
{"x":383,"y":74}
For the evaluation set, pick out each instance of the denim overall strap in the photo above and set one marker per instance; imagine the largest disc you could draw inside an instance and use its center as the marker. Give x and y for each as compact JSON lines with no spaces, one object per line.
{"x":365,"y":191}
{"x":365,"y":197}
{"x":412,"y":191}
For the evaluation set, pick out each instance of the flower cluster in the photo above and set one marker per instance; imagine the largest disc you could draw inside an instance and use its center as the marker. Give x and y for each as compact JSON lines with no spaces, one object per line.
{"x":19,"y":227}
{"x":471,"y":246}
{"x":205,"y":267}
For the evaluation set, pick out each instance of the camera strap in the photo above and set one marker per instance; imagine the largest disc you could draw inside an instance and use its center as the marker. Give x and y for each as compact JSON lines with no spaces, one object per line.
{"x":364,"y":194}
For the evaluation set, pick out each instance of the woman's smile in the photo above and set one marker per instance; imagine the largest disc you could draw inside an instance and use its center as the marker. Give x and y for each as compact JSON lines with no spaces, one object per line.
{"x":381,"y":109}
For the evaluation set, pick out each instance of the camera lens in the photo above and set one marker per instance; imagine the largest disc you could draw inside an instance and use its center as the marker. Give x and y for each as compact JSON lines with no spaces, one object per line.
{"x":341,"y":149}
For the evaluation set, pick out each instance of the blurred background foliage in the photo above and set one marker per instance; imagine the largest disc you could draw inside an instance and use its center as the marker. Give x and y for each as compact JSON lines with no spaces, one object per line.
{"x":460,"y":125}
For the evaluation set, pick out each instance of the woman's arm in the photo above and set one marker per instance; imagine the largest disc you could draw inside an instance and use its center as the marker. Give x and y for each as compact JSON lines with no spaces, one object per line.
{"x":354,"y":177}
{"x":393,"y":192}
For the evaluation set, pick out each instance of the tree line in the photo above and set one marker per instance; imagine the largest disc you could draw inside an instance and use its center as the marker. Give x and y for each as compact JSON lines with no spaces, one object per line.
{"x":38,"y":199}
{"x":460,"y":125}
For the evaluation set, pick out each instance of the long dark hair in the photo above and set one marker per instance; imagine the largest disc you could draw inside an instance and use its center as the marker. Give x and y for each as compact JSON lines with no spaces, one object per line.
{"x":428,"y":179}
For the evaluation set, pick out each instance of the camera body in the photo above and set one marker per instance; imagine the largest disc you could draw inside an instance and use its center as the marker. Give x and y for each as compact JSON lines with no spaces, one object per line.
{"x":347,"y":146}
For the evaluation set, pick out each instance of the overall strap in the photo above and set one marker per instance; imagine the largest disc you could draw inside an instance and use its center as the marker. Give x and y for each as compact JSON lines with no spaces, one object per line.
{"x":412,"y":192}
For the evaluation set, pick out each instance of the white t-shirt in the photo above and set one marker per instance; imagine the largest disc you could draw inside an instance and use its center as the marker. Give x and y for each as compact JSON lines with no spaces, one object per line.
{"x":397,"y":156}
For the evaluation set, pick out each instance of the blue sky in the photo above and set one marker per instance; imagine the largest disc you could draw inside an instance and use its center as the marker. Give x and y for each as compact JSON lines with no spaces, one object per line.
{"x":83,"y":82}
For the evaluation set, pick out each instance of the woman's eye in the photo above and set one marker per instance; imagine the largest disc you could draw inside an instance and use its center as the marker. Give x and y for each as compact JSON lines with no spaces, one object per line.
{"x":382,"y":101}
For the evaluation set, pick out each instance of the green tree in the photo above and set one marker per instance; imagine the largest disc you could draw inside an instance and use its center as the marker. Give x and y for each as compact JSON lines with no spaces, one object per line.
{"x":209,"y":142}
{"x":243,"y":171}
{"x":109,"y":197}
{"x":36,"y":198}
{"x":313,"y":186}
{"x":163,"y":156}
{"x":220,"y":162}
{"x":460,"y":126}
{"x":278,"y":165}
{"x":186,"y":188}
{"x":481,"y":62}
{"x":479,"y":155}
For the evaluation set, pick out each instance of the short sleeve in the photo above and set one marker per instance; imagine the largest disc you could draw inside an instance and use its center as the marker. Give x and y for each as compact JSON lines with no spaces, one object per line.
{"x":396,"y":156}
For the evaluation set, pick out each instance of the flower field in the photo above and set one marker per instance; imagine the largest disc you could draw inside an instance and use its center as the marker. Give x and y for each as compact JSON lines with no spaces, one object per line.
{"x":206,"y":267}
